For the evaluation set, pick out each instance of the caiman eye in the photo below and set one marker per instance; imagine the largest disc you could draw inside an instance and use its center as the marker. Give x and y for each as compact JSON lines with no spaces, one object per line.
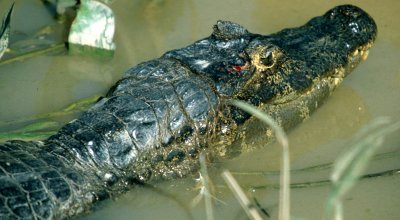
{"x":267,"y":58}
{"x":264,"y":57}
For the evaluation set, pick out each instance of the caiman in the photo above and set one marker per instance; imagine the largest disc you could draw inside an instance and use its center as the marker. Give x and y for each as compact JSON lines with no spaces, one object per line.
{"x":153,"y":122}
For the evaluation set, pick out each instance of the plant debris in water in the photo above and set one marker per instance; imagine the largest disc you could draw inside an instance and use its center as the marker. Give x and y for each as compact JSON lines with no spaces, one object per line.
{"x":204,"y":178}
{"x":42,"y":126}
{"x":349,"y":167}
{"x":5,"y":31}
{"x":284,"y":198}
{"x":93,"y":29}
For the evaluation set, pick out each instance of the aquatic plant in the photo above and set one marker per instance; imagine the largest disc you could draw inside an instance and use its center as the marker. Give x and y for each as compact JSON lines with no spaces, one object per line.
{"x":347,"y":169}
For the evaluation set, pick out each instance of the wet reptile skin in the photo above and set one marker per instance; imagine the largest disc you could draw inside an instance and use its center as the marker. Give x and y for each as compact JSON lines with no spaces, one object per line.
{"x":155,"y":120}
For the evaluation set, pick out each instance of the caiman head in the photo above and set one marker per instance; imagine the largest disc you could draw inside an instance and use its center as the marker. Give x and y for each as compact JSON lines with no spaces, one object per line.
{"x":281,"y":67}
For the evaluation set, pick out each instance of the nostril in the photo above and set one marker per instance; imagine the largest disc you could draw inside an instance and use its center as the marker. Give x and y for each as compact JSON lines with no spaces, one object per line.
{"x":353,"y":20}
{"x":343,"y":11}
{"x":354,"y":27}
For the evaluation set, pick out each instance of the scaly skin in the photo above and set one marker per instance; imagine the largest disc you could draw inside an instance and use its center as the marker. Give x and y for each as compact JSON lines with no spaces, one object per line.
{"x":153,"y":123}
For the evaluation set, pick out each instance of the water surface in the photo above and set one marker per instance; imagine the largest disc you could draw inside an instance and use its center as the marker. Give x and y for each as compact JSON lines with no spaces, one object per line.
{"x":146,"y":29}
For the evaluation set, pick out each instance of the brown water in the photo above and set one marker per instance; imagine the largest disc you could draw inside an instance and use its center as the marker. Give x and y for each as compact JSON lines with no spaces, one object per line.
{"x":146,"y":29}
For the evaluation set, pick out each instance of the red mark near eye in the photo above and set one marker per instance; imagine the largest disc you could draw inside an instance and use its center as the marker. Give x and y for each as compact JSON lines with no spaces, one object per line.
{"x":237,"y":68}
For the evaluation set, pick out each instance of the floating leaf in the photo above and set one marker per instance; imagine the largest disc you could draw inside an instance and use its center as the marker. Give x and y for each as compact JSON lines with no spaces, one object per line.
{"x":93,"y":29}
{"x":5,"y":31}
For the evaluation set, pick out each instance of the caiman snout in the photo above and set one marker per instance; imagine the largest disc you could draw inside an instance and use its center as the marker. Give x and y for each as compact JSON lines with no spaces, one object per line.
{"x":355,"y":22}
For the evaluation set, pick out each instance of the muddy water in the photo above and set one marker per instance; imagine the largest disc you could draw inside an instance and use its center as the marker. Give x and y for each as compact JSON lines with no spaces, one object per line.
{"x":146,"y":29}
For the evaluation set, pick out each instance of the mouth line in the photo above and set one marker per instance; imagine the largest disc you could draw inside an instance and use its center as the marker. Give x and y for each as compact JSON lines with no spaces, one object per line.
{"x":362,"y":51}
{"x":359,"y":54}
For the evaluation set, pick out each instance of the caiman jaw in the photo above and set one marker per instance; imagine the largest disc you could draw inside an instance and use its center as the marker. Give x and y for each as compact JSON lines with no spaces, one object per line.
{"x":354,"y":58}
{"x":360,"y":54}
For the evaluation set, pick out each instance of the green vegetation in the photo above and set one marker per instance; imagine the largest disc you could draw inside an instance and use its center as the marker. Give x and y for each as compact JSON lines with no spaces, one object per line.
{"x":347,"y":169}
{"x":284,"y":200}
{"x":5,"y":31}
{"x":53,"y":49}
{"x":92,"y":31}
{"x":350,"y":165}
{"x":41,"y":126}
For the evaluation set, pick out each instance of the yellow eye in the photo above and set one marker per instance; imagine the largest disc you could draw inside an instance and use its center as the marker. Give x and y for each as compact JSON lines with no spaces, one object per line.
{"x":264,"y":57}
{"x":267,"y":59}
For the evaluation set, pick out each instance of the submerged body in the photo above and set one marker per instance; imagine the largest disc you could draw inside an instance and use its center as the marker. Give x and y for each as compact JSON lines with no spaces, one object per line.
{"x":155,"y":120}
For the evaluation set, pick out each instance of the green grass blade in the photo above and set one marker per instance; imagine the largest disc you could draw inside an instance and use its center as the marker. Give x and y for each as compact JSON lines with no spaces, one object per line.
{"x":42,"y":126}
{"x":284,"y":202}
{"x":5,"y":31}
{"x":26,"y":136}
{"x":348,"y":168}
{"x":79,"y":106}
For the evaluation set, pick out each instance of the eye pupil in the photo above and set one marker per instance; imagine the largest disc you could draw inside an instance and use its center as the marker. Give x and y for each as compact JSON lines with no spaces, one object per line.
{"x":267,"y":60}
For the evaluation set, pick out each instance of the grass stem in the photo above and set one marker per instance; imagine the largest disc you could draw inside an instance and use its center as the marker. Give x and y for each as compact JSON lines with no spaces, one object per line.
{"x":249,"y":208}
{"x":206,"y":187}
{"x":284,"y":201}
